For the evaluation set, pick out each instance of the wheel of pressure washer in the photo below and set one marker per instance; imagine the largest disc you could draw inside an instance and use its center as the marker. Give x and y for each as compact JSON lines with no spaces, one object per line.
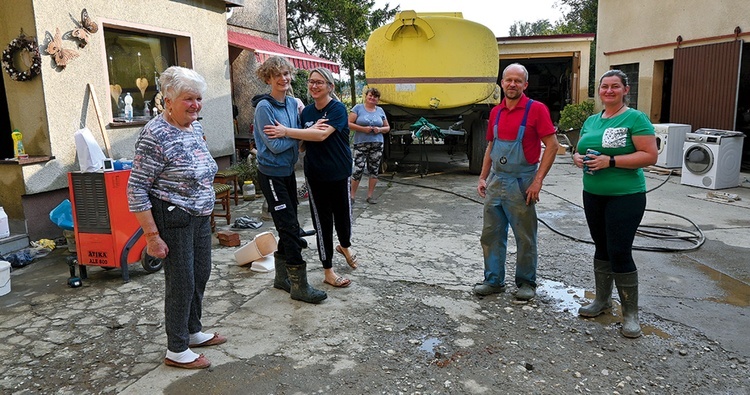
{"x":151,"y":264}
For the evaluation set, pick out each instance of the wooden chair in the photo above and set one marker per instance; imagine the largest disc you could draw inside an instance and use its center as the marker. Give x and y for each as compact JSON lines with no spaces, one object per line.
{"x":229,"y":177}
{"x":222,"y":197}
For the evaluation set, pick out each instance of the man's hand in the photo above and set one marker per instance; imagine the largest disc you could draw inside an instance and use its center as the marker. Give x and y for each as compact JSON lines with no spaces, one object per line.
{"x":482,"y":187}
{"x":532,"y":194}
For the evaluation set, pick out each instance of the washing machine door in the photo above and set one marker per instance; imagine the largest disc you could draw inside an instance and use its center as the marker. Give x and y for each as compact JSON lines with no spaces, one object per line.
{"x":698,"y":159}
{"x":661,"y":142}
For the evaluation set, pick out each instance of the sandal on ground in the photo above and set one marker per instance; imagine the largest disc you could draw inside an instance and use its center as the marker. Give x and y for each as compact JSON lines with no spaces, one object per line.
{"x":200,"y":363}
{"x":340,"y":282}
{"x":372,"y":200}
{"x":351,"y":258}
{"x":214,"y":341}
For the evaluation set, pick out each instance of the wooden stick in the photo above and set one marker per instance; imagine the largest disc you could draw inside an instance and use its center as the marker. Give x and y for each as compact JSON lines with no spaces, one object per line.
{"x":99,"y":118}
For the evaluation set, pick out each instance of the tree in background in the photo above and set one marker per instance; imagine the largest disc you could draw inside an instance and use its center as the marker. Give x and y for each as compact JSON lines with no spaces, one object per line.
{"x":335,"y":29}
{"x":580,"y":17}
{"x":541,"y":27}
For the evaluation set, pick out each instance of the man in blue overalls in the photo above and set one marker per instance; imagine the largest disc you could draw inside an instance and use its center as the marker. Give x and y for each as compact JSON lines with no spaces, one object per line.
{"x":510,"y":183}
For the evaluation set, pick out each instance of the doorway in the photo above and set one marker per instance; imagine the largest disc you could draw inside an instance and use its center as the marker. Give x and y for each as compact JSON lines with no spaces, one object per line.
{"x":6,"y":140}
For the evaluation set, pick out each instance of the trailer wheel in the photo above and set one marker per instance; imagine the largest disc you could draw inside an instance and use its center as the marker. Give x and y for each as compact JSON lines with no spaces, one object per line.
{"x":477,"y":145}
{"x":151,"y":264}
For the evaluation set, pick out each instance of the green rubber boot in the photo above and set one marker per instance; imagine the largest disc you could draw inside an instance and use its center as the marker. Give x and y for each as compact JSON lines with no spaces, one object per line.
{"x":627,"y":287}
{"x":281,"y":281}
{"x":301,"y":290}
{"x":603,"y":299}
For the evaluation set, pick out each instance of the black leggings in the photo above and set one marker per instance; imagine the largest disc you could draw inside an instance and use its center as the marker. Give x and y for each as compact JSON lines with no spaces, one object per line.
{"x":613,"y":221}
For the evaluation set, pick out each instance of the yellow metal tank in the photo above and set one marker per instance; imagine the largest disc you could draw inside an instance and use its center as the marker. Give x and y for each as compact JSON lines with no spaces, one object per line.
{"x":432,"y":61}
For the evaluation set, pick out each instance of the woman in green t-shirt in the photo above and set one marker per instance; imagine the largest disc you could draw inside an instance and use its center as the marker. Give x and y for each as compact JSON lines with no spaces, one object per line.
{"x":616,"y":144}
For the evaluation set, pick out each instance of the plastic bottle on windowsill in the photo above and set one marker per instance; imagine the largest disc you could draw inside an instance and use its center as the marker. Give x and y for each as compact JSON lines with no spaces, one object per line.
{"x":128,"y":107}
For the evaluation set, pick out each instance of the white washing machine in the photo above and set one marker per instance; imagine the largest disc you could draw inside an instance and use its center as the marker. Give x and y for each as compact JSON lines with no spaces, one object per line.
{"x":670,"y":138}
{"x":712,"y":158}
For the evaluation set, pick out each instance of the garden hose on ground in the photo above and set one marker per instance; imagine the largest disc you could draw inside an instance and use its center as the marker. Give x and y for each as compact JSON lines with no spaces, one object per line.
{"x":695,"y":237}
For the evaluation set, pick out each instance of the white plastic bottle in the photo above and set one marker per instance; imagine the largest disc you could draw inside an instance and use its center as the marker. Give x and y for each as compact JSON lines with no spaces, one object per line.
{"x":128,"y":107}
{"x":4,"y":228}
{"x":248,"y":190}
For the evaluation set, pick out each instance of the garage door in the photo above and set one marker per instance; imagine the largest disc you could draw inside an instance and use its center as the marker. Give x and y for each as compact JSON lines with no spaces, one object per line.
{"x":704,"y":85}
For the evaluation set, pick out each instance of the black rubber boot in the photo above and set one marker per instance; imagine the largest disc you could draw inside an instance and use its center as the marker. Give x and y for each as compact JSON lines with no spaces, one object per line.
{"x":281,"y":281}
{"x":627,"y":287}
{"x":301,"y":290}
{"x":603,"y":298}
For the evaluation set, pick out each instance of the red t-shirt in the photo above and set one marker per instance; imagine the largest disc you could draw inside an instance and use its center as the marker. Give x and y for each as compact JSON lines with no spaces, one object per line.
{"x":538,"y":125}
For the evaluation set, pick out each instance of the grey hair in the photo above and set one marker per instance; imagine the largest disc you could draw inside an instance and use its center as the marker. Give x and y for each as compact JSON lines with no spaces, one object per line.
{"x":177,"y":80}
{"x":623,"y":79}
{"x":328,"y":76}
{"x":525,"y":72}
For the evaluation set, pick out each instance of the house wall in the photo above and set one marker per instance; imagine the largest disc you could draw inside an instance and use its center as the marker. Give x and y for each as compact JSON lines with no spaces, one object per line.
{"x":50,"y":108}
{"x":260,"y":18}
{"x":646,"y":31}
{"x":25,"y":105}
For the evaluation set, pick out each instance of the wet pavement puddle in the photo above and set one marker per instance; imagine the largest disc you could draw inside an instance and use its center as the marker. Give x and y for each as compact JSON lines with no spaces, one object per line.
{"x":429,"y":344}
{"x":568,"y":299}
{"x":736,"y":292}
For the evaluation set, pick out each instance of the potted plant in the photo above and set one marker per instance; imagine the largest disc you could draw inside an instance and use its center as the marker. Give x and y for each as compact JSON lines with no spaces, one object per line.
{"x":247,"y":170}
{"x":571,"y":121}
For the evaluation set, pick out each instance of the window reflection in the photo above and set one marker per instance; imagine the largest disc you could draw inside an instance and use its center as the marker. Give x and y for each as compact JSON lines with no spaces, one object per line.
{"x":134,"y":61}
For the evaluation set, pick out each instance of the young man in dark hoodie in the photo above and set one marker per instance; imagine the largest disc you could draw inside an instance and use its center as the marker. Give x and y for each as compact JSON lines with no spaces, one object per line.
{"x":276,"y":159}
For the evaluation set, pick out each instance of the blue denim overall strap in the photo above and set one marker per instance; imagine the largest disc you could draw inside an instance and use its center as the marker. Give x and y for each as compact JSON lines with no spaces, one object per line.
{"x":507,"y":155}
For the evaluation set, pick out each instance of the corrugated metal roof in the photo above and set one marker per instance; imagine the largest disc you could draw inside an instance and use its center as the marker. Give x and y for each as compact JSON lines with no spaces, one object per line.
{"x":266,"y":48}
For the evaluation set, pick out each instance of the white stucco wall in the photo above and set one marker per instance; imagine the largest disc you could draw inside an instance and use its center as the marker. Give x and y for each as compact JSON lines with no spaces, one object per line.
{"x":65,"y":93}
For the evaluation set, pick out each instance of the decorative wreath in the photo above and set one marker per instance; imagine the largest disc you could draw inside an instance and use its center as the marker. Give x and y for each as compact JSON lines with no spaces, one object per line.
{"x":18,"y":44}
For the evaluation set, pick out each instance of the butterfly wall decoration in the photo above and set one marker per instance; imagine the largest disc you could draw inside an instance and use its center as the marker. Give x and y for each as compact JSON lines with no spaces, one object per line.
{"x":61,"y":55}
{"x":86,"y":27}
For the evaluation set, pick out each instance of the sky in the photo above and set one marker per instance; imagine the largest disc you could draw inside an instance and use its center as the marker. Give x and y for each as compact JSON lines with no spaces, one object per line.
{"x":489,"y":13}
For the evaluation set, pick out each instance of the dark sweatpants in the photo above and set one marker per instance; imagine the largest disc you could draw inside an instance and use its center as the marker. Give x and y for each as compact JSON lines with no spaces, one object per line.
{"x":331,"y":206}
{"x":613,"y":221}
{"x":281,"y":195}
{"x":187,"y":268}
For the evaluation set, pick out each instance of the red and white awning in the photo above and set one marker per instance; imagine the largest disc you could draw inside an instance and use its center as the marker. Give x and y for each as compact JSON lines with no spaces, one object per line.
{"x":264,"y":49}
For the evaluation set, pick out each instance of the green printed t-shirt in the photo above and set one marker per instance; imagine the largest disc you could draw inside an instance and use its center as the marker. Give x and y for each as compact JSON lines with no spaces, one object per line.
{"x":613,"y":136}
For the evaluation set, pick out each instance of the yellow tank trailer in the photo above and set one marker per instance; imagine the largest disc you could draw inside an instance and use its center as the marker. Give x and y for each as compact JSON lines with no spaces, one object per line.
{"x":438,"y":66}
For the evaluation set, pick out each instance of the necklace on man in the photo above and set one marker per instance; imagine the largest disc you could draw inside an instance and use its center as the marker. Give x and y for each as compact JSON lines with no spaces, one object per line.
{"x":615,"y":113}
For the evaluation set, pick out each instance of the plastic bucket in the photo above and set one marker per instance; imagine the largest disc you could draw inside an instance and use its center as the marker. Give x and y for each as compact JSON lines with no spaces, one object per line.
{"x":263,"y":244}
{"x":4,"y":277}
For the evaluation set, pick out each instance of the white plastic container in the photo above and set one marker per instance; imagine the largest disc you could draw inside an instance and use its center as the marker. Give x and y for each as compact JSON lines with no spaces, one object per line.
{"x":248,"y":191}
{"x":4,"y":278}
{"x":262,"y":245}
{"x":4,"y":228}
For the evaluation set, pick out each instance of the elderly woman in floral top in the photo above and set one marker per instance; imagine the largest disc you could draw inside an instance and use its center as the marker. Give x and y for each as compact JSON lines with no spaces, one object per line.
{"x":170,"y":191}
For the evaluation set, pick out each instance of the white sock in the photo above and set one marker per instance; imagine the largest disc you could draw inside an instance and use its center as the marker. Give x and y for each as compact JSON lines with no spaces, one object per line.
{"x":200,"y":337}
{"x":186,"y":356}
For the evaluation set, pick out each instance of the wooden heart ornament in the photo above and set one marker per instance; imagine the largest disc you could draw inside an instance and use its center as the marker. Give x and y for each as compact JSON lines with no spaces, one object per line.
{"x":142,"y":84}
{"x":115,"y":91}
